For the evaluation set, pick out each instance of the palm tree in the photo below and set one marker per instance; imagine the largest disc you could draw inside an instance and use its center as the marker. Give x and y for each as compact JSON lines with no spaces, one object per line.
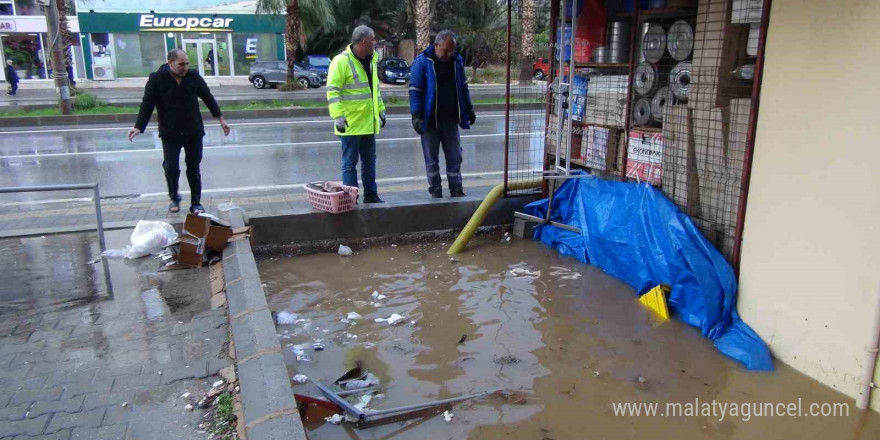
{"x":316,"y":11}
{"x":383,"y":16}
{"x":424,"y":19}
{"x":528,"y":38}
{"x":64,"y":31}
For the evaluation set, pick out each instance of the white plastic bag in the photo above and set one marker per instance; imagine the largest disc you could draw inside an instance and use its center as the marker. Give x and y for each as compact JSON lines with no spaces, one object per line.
{"x":344,"y":250}
{"x":149,"y":237}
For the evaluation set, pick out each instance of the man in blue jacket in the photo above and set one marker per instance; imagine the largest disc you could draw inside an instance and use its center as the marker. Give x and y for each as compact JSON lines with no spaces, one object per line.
{"x":440,"y":103}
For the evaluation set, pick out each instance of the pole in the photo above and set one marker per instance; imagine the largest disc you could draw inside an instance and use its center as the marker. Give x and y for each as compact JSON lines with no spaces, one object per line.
{"x":507,"y":104}
{"x":59,"y":70}
{"x":750,"y":139}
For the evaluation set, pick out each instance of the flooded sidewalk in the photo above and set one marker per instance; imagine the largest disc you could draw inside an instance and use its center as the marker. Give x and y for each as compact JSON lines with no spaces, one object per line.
{"x":100,"y":349}
{"x":568,"y":341}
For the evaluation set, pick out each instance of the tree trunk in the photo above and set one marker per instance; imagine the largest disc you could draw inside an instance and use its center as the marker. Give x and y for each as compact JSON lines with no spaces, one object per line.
{"x":64,"y":30}
{"x":528,"y":38}
{"x":292,"y":36}
{"x":424,"y":19}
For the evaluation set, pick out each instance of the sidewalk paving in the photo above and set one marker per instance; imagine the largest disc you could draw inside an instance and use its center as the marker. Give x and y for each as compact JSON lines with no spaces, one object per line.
{"x":104,"y":350}
{"x":17,"y":219}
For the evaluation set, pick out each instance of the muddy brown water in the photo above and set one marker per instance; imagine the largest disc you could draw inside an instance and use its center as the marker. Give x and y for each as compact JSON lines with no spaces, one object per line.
{"x":569,"y":339}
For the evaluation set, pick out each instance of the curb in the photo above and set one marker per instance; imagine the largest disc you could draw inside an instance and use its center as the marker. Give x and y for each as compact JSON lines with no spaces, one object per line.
{"x":270,"y":410}
{"x":77,"y":120}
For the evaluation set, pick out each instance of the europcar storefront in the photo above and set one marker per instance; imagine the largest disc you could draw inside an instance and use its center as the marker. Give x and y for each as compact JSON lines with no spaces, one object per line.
{"x":131,"y":45}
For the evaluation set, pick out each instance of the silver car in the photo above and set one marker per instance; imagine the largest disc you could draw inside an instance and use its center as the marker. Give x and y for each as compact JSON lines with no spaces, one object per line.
{"x":271,"y":73}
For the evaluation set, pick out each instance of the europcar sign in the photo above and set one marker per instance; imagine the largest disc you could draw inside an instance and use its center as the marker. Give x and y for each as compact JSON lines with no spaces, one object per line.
{"x":151,"y":22}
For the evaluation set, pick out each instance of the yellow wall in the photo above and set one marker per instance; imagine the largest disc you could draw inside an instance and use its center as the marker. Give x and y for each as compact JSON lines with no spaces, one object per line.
{"x":811,"y":251}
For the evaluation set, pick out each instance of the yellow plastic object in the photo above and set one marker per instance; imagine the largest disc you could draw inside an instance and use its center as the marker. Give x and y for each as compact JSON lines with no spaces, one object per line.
{"x":655,"y":300}
{"x":480,"y":214}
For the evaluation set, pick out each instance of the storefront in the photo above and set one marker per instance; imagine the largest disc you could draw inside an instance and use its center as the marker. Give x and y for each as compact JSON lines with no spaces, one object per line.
{"x":131,"y":45}
{"x":23,"y":38}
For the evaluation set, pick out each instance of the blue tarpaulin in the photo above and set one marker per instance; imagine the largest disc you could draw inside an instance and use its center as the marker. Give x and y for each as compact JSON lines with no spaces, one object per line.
{"x":634,"y":233}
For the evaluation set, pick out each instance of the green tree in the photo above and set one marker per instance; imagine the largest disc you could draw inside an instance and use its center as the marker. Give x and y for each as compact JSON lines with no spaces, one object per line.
{"x":301,"y":15}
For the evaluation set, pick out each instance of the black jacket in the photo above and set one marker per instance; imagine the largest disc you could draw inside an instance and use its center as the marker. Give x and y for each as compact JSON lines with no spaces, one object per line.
{"x":176,"y":104}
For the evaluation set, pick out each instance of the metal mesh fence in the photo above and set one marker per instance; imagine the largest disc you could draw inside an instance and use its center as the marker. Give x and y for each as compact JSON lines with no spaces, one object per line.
{"x":660,"y":95}
{"x":529,"y":68}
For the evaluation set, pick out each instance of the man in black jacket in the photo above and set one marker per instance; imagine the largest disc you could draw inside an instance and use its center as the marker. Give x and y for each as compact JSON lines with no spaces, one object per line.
{"x":174,"y":92}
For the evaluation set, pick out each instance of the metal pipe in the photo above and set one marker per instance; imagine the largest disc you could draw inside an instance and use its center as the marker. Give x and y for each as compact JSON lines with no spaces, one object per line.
{"x":100,"y":219}
{"x":552,"y":186}
{"x":571,"y":69}
{"x":507,"y":101}
{"x":554,"y":8}
{"x":359,"y":390}
{"x":627,"y":115}
{"x":72,"y":187}
{"x":428,"y":404}
{"x":43,"y":188}
{"x":532,"y":218}
{"x":864,"y":398}
{"x":752,"y":133}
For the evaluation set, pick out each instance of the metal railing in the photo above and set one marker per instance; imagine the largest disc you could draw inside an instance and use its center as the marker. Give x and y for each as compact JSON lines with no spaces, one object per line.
{"x":44,"y":188}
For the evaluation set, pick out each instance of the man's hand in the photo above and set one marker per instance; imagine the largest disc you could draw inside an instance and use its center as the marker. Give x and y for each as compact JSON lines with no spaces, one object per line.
{"x":132,"y":133}
{"x":382,"y":118}
{"x":418,"y":122}
{"x":472,"y":117}
{"x":341,"y":124}
{"x":224,"y":126}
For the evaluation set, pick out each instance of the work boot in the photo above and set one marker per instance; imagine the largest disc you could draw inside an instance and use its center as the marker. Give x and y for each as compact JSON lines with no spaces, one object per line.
{"x":436,"y":193}
{"x":372,"y":198}
{"x":456,"y":192}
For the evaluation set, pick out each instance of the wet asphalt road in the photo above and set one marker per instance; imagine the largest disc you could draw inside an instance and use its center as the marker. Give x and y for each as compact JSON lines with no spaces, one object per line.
{"x":256,"y":155}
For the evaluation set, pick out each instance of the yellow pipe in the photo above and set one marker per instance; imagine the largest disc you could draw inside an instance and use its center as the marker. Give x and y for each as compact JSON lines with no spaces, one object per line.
{"x":482,"y":211}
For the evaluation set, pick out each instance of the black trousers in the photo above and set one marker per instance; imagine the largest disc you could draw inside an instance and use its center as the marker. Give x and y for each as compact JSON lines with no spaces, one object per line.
{"x":192,"y":147}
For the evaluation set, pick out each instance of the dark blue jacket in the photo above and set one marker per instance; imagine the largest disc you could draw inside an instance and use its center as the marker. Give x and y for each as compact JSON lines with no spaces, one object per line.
{"x":11,"y":76}
{"x":423,"y":88}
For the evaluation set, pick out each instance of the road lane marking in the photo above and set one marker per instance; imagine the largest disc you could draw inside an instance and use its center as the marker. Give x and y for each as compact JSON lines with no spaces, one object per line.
{"x":233,"y":125}
{"x":247,"y":146}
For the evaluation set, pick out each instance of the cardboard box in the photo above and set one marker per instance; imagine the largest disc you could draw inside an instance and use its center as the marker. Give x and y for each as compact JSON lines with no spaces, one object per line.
{"x":191,"y":242}
{"x":738,"y":132}
{"x":599,"y":148}
{"x":676,"y":155}
{"x":196,"y":226}
{"x":579,"y":97}
{"x":606,"y":101}
{"x":191,"y":251}
{"x":644,"y":160}
{"x":710,"y":139}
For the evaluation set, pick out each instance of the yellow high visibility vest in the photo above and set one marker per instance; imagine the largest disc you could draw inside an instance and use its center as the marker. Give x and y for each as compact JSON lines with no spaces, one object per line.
{"x":349,"y":95}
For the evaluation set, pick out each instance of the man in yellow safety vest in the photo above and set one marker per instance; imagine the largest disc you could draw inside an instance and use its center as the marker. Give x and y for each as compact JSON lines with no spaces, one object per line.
{"x":357,"y":109}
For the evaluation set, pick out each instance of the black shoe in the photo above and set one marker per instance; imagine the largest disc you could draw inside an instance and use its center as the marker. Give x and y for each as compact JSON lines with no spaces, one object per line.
{"x":196,"y":209}
{"x":436,"y":193}
{"x":372,"y":198}
{"x":456,"y":192}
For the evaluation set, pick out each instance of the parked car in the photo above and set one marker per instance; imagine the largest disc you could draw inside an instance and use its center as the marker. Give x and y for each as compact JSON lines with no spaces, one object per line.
{"x":317,"y":62}
{"x":393,"y":70}
{"x":540,"y":69}
{"x":271,"y":73}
